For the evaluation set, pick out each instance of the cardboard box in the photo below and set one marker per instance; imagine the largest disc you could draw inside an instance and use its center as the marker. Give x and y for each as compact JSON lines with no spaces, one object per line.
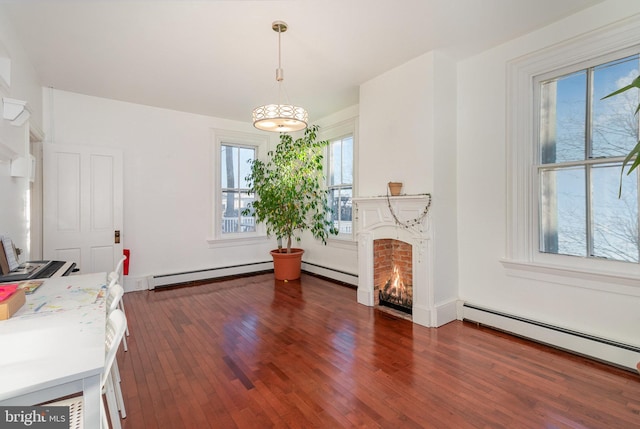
{"x":9,"y":306}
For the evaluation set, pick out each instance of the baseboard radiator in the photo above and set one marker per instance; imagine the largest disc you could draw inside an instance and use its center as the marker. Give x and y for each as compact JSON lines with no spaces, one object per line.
{"x":619,"y":354}
{"x":330,"y":273}
{"x":163,"y":280}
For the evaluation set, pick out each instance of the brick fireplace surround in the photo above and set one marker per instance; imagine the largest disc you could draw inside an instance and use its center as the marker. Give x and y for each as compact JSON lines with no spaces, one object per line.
{"x":375,"y":222}
{"x":392,"y":263}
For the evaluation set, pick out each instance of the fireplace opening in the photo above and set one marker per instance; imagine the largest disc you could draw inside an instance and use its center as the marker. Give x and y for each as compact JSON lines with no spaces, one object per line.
{"x":395,"y":294}
{"x":393,"y":275}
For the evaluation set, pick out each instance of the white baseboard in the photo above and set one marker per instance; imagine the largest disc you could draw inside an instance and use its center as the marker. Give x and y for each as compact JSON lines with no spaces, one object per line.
{"x":422,"y":316}
{"x":435,"y":317}
{"x":132,"y":284}
{"x":446,"y":312}
{"x":612,"y":352}
{"x":365,"y":297}
{"x":339,"y":276}
{"x":161,"y":280}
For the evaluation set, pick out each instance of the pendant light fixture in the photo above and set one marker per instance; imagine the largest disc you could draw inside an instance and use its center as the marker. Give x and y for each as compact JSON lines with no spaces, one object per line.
{"x":280,"y":117}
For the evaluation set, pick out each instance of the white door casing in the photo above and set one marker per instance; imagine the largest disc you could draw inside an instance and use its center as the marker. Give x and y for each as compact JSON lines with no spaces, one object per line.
{"x":83,"y":194}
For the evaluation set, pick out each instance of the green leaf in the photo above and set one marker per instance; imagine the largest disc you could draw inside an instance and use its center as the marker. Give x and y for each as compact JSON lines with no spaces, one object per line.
{"x":634,"y":84}
{"x":635,"y":152}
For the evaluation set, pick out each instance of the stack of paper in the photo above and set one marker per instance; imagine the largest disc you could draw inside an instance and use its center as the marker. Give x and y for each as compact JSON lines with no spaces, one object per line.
{"x":8,"y":255}
{"x":30,"y":286}
{"x":10,"y":252}
{"x":4,"y":264}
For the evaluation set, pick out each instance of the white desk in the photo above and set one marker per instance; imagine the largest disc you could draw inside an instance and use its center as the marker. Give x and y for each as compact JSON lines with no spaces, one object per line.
{"x":54,"y":345}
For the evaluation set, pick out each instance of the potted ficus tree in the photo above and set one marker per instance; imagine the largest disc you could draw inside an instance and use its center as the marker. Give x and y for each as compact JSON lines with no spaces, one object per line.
{"x":291,"y":197}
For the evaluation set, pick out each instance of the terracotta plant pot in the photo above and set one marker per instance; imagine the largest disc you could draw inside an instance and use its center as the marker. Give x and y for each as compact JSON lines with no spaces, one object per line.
{"x":395,"y":188}
{"x":286,"y":266}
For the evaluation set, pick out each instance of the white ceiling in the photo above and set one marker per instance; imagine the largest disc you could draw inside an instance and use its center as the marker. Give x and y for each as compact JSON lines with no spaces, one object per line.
{"x":218,"y":57}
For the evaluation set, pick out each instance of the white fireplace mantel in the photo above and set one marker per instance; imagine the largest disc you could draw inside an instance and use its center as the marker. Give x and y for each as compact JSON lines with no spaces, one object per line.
{"x":375,"y":220}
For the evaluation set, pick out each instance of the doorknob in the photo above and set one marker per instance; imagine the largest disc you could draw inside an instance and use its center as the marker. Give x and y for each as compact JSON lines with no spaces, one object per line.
{"x":116,"y":236}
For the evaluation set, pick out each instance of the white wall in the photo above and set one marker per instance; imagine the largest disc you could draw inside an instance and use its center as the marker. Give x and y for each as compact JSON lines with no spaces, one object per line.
{"x":396,"y":129}
{"x":338,"y":259}
{"x":443,"y":163}
{"x":482,"y":197}
{"x":23,"y":85}
{"x":407,"y":134}
{"x":168,"y":176}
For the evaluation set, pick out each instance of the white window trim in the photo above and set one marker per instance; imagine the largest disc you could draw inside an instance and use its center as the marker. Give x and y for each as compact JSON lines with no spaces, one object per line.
{"x":219,"y":137}
{"x":522,"y":257}
{"x":333,"y":132}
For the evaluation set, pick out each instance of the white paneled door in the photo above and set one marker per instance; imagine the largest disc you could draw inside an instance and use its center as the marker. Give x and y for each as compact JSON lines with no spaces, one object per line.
{"x":82,"y":208}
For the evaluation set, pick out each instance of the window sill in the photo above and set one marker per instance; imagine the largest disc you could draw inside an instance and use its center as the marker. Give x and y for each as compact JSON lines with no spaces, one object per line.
{"x":235,"y":241}
{"x":343,"y":243}
{"x":625,"y":283}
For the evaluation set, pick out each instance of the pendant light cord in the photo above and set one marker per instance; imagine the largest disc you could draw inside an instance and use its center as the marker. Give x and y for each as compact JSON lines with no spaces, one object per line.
{"x":280,"y":53}
{"x":279,"y":71}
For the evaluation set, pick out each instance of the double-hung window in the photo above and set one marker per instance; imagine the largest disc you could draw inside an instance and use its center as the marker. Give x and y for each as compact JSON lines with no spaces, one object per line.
{"x":565,"y":148}
{"x":340,"y":184}
{"x":582,"y":141}
{"x":234,"y":167}
{"x":232,"y":152}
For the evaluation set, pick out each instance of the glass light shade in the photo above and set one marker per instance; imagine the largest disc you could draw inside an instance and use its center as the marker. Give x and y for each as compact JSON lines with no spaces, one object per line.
{"x":280,"y":118}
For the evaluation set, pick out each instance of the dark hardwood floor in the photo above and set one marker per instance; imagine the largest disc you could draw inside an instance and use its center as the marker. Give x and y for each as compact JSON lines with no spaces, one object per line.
{"x":255,"y":353}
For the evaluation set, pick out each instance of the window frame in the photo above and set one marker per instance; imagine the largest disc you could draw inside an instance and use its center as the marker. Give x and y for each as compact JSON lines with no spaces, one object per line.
{"x":331,"y":133}
{"x":588,"y":164}
{"x":260,"y":143}
{"x":341,"y":186}
{"x":236,"y":189}
{"x":522,"y":256}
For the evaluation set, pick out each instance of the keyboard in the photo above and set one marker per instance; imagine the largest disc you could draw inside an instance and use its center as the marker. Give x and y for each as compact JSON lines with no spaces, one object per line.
{"x":51,"y":269}
{"x":39,"y":270}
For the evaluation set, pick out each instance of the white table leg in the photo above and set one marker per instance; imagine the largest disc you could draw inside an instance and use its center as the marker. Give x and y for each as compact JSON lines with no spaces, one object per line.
{"x":92,"y":397}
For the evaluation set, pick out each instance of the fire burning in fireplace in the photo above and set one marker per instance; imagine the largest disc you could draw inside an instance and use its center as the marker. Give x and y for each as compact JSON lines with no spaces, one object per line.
{"x":395,"y":294}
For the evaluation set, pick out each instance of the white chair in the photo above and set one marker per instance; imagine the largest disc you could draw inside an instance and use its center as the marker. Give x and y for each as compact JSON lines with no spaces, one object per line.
{"x":113,"y":281}
{"x":114,"y":295}
{"x":116,"y":325}
{"x":120,"y":265}
{"x":114,"y":277}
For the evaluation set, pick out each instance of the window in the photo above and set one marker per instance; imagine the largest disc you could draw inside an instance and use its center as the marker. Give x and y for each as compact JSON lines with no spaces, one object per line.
{"x":234,"y":167}
{"x":565,"y":147}
{"x":340,"y":184}
{"x":230,"y":194}
{"x":582,"y":141}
